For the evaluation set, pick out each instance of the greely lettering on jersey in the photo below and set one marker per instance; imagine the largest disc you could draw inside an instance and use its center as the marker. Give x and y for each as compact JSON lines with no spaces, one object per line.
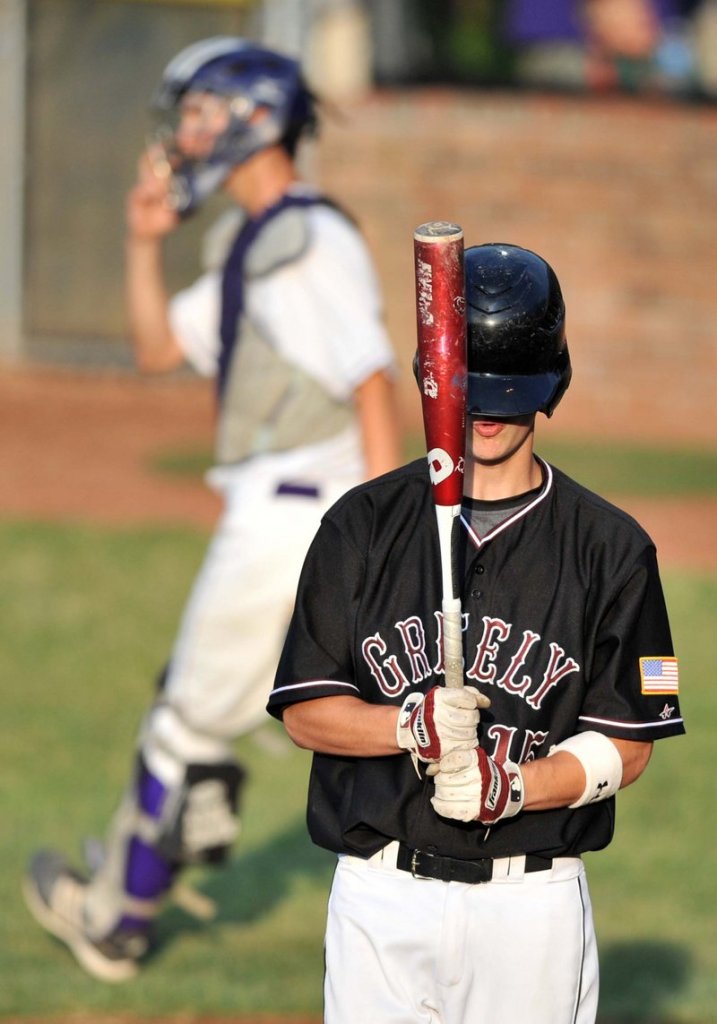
{"x":394,"y":673}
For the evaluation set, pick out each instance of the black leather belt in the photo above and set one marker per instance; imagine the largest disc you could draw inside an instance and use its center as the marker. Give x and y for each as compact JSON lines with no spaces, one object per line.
{"x":450,"y":869}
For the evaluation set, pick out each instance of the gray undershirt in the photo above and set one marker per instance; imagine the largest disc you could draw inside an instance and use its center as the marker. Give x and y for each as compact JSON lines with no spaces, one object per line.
{"x":485,"y":516}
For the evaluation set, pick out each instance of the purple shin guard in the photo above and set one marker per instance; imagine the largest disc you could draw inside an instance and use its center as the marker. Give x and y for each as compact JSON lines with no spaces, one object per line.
{"x":147,"y":875}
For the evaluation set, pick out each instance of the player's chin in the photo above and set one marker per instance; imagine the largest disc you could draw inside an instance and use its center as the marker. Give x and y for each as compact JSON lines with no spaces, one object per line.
{"x":491,"y":460}
{"x":493,"y":441}
{"x":494,"y":451}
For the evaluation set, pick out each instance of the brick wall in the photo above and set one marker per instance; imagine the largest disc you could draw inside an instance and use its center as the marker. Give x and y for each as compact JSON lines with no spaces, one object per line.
{"x":620,"y":195}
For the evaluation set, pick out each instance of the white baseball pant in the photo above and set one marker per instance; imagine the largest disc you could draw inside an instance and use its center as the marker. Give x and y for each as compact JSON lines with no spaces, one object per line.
{"x":405,"y":950}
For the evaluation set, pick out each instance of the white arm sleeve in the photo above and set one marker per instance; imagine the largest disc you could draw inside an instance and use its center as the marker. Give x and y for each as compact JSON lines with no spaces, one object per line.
{"x":601,"y":763}
{"x":194,"y":316}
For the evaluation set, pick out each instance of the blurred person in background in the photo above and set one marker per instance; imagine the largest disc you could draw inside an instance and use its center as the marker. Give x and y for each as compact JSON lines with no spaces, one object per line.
{"x":601,"y":45}
{"x":287,"y":319}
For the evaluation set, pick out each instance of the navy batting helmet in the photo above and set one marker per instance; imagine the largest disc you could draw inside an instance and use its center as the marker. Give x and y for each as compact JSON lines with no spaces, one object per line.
{"x":268,"y":103}
{"x":518,"y":360}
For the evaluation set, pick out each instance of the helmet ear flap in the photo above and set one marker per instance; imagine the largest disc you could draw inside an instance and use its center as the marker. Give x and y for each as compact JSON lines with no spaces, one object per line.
{"x":566,"y":373}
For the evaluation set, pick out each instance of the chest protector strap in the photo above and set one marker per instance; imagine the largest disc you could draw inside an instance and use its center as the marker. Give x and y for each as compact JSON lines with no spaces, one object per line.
{"x":266,"y":402}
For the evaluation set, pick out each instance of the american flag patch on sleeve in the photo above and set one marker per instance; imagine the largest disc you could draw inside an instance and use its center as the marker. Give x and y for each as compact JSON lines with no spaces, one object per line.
{"x":659,"y":675}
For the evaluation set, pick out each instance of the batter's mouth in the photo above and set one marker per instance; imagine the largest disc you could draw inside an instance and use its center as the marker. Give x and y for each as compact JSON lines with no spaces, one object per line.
{"x":488,"y":428}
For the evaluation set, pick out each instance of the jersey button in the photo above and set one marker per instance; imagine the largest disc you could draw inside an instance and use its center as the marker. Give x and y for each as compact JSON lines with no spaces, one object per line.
{"x":480,"y":569}
{"x":476,"y":593}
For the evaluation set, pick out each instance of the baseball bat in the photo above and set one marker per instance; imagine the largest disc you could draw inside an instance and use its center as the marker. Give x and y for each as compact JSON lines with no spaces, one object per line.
{"x":441,"y":329}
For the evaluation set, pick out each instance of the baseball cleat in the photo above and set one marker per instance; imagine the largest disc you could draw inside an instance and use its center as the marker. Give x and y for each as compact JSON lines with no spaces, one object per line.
{"x":55,"y":896}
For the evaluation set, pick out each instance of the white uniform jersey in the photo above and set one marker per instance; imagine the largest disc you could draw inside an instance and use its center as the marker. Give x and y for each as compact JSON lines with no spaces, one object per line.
{"x":320,"y":312}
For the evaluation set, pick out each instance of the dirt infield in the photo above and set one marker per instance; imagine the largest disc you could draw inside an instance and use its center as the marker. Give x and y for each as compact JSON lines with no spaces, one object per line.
{"x":79,"y":447}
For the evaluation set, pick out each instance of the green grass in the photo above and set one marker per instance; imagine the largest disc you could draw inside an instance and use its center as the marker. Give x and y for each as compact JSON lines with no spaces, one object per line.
{"x":655,"y":887}
{"x":606,"y":468}
{"x":87,"y":617}
{"x":182,"y":462}
{"x":633,"y":469}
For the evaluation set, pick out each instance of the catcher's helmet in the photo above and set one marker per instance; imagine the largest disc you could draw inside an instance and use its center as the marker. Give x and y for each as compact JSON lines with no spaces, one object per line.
{"x":518,"y":360}
{"x":253,"y":80}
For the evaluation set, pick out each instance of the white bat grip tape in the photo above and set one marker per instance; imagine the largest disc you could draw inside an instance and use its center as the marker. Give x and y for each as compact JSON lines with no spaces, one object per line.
{"x":601,"y":763}
{"x":453,"y":643}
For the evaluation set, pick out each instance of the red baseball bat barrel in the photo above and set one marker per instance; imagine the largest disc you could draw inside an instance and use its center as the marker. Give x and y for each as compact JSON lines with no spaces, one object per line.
{"x":441,"y":325}
{"x":441,"y":329}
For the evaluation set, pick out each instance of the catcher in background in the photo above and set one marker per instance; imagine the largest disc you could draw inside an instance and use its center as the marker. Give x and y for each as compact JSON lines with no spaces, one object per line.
{"x":459,"y":816}
{"x":289,"y":322}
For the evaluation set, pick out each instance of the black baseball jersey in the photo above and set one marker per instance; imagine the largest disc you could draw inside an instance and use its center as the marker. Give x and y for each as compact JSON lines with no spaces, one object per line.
{"x":565,"y":629}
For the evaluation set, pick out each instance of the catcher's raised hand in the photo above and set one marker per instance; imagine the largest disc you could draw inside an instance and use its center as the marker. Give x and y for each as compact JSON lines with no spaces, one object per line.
{"x":434,"y":724}
{"x":471,"y":786}
{"x":150,"y":212}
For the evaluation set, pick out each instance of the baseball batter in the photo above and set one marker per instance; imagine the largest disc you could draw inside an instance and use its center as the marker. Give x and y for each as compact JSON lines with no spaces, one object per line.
{"x":287,"y":317}
{"x":459,"y":816}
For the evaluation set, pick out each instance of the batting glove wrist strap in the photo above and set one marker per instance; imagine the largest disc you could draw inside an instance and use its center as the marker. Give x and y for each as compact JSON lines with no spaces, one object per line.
{"x":601,"y":763}
{"x":444,"y":720}
{"x":470,"y":786}
{"x":404,"y":735}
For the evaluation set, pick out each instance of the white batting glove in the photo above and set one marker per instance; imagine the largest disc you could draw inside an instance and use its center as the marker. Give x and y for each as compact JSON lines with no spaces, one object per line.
{"x":470,"y":786}
{"x":441,"y":721}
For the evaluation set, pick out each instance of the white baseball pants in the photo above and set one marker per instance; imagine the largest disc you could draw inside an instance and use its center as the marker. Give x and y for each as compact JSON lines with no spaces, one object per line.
{"x":234,"y":624}
{"x":405,"y":950}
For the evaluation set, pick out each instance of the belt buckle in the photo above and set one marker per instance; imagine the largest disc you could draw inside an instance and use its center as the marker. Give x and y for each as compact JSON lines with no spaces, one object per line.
{"x":415,"y":873}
